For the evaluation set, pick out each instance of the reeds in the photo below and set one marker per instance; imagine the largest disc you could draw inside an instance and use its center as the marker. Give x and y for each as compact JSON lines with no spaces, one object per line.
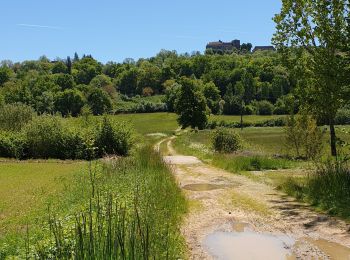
{"x":134,"y":212}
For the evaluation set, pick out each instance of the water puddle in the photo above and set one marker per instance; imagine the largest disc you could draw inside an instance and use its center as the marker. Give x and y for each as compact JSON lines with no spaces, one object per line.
{"x":243,"y":243}
{"x":205,"y":187}
{"x":333,"y":250}
{"x":246,"y":244}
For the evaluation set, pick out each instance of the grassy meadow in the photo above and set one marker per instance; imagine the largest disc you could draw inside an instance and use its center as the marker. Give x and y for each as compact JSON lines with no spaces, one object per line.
{"x":33,"y":190}
{"x":26,"y":190}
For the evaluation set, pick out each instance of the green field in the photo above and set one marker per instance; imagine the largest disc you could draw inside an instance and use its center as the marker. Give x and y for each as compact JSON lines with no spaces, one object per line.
{"x":28,"y":187}
{"x":26,"y":191}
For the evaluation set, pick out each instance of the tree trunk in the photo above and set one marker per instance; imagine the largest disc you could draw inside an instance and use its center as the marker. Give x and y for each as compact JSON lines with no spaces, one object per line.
{"x":333,"y":138}
{"x":242,"y":116}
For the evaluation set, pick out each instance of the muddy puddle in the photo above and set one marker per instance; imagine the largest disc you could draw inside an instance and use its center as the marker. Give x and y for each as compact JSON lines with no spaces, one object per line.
{"x":331,"y":249}
{"x":243,"y":243}
{"x":206,"y":187}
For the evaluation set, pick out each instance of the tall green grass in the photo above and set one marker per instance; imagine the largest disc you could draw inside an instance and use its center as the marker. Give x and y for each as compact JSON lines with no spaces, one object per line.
{"x":125,"y":208}
{"x":328,"y":188}
{"x":234,"y":163}
{"x":198,"y":144}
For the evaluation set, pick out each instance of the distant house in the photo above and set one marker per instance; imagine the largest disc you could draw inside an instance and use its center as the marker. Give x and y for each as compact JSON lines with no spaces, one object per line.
{"x":264,"y":48}
{"x":224,"y":46}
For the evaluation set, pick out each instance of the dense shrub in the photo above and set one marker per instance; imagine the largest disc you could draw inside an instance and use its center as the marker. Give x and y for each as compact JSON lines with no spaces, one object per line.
{"x":249,"y":110}
{"x":263,"y":107}
{"x":14,"y":116}
{"x":113,"y":138}
{"x":70,"y":102}
{"x":99,"y":101}
{"x":343,"y":117}
{"x":47,"y":137}
{"x":279,"y":121}
{"x":280,"y":108}
{"x":225,"y":141}
{"x":13,"y":145}
{"x":303,"y":137}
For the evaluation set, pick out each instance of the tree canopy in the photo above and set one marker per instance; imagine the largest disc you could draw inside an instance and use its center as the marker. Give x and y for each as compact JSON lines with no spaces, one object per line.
{"x":314,"y":37}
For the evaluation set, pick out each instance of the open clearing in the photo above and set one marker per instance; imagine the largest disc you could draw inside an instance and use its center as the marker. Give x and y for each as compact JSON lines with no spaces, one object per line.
{"x":232,"y":204}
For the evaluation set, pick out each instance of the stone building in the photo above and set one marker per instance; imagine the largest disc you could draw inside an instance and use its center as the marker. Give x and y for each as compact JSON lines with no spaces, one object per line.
{"x":224,"y":46}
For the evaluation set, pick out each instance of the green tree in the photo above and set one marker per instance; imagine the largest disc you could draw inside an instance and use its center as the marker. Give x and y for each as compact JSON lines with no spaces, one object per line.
{"x":5,"y":74}
{"x":69,"y":65}
{"x":101,"y":81}
{"x":249,"y":86}
{"x":59,"y":67}
{"x":191,"y":105}
{"x":127,"y":81}
{"x":232,"y":105}
{"x":85,"y":70}
{"x":99,"y":101}
{"x":212,"y":95}
{"x":314,"y":35}
{"x":280,"y":86}
{"x":65,"y":81}
{"x":171,"y":93}
{"x":149,"y":76}
{"x":69,"y":102}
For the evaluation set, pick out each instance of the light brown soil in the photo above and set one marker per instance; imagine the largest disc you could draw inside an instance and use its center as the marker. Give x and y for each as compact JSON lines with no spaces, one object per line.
{"x":242,"y":200}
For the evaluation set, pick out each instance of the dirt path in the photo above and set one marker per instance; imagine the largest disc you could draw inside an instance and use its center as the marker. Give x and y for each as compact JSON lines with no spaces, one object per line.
{"x":222,"y":201}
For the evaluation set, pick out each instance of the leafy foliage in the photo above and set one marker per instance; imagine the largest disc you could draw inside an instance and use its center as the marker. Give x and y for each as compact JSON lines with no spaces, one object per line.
{"x":314,"y":36}
{"x":191,"y":105}
{"x":41,"y":83}
{"x":226,"y":141}
{"x":303,"y":136}
{"x":14,"y":116}
{"x":48,"y":137}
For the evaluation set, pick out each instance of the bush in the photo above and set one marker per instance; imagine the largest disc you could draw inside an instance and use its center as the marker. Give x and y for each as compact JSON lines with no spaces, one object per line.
{"x":263,"y":107}
{"x":14,"y":116}
{"x":280,"y":107}
{"x":343,"y":117}
{"x":249,"y":110}
{"x":99,"y":101}
{"x":225,"y":141}
{"x":303,"y":136}
{"x":45,"y":138}
{"x":69,"y":102}
{"x":327,"y":188}
{"x":113,"y":138}
{"x":13,"y":145}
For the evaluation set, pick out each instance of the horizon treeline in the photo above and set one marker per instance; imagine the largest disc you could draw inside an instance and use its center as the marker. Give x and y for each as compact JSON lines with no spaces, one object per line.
{"x":257,"y":80}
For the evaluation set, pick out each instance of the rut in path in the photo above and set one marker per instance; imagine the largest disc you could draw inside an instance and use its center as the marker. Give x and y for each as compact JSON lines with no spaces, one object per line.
{"x":237,"y":199}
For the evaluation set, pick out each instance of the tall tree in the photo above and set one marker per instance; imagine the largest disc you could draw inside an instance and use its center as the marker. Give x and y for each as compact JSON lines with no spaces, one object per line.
{"x":69,"y":65}
{"x":191,"y":105}
{"x":212,"y":95}
{"x":314,"y":36}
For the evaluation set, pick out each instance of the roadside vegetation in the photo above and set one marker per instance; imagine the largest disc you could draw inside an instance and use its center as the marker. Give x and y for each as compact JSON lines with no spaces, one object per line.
{"x":79,"y":175}
{"x":125,"y":208}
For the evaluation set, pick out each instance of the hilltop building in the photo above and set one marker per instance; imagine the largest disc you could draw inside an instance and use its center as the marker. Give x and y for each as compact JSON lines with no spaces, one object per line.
{"x":224,"y":46}
{"x":235,"y":44}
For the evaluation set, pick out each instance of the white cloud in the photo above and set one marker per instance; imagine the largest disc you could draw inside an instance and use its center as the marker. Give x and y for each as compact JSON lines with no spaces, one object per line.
{"x":40,"y":26}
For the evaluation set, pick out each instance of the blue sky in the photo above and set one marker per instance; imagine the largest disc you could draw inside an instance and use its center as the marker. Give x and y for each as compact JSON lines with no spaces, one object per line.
{"x":115,"y":29}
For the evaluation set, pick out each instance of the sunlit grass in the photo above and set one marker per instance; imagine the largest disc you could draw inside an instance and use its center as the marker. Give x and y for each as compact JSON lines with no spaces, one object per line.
{"x":26,"y":190}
